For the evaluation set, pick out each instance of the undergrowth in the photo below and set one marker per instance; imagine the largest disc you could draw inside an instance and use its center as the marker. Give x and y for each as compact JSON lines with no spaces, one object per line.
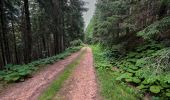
{"x":110,"y":88}
{"x":146,"y":68}
{"x":15,"y":73}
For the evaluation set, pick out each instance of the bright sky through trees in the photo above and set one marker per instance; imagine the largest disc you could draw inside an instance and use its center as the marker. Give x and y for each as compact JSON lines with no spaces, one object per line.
{"x":89,"y":14}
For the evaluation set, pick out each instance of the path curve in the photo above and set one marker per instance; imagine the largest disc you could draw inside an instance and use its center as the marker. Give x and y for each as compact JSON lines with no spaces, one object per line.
{"x":31,"y":89}
{"x":82,"y":85}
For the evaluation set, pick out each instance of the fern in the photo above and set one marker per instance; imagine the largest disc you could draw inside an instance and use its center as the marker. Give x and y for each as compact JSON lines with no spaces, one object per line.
{"x":160,"y":61}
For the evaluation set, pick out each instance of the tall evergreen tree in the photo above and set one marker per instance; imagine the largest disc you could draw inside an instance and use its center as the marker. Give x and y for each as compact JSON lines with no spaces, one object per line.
{"x":27,"y":34}
{"x":34,"y":29}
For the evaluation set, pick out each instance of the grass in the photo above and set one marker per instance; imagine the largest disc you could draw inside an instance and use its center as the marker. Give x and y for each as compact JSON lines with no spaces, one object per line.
{"x":110,"y":89}
{"x":56,"y":85}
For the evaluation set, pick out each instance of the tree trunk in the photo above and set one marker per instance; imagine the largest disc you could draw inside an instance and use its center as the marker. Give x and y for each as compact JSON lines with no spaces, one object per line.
{"x":2,"y":51}
{"x":62,"y":25}
{"x":27,"y":34}
{"x":4,"y":41}
{"x":55,"y":14}
{"x":15,"y":44}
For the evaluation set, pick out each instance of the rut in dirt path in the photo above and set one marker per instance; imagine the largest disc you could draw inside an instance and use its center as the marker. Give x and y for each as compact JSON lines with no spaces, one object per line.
{"x":32,"y":88}
{"x":82,"y":85}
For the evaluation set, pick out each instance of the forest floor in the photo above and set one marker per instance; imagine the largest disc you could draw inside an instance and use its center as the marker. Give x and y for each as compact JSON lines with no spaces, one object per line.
{"x":81,"y":84}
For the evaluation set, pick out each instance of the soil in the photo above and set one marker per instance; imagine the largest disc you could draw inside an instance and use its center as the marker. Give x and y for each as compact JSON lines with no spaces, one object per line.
{"x":82,"y":84}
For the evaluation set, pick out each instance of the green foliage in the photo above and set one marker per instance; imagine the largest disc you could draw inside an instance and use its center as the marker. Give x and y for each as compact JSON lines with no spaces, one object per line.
{"x":168,"y":92}
{"x":140,"y":66}
{"x":110,"y":88}
{"x":89,"y":32}
{"x":50,"y":28}
{"x":117,"y":21}
{"x":125,"y":76}
{"x":165,"y":3}
{"x":14,"y":73}
{"x":76,"y":43}
{"x":160,"y":61}
{"x":145,"y":64}
{"x":167,"y":78}
{"x":136,"y":80}
{"x":106,"y":32}
{"x":155,"y":89}
{"x":158,"y":27}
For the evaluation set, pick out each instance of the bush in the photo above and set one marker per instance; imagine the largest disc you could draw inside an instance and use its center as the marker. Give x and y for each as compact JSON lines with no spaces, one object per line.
{"x":76,"y":43}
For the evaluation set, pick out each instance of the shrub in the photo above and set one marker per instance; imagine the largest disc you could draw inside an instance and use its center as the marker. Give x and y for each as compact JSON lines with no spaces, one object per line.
{"x":76,"y":43}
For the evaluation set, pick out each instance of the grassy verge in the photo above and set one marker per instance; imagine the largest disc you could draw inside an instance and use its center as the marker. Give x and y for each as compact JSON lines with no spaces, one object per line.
{"x":56,"y":85}
{"x":110,"y":89}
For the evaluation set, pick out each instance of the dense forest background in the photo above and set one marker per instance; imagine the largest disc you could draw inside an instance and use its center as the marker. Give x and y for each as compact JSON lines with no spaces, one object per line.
{"x":33,"y":29}
{"x":115,"y":19}
{"x":135,"y":38}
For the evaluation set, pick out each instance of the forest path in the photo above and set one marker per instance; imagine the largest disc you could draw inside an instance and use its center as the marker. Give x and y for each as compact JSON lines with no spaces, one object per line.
{"x":32,"y":88}
{"x":82,"y":84}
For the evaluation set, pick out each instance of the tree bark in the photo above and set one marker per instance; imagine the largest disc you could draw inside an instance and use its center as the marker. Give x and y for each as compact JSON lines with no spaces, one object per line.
{"x":55,"y":15}
{"x":4,"y":41}
{"x":15,"y":44}
{"x":27,"y":34}
{"x":62,"y":25}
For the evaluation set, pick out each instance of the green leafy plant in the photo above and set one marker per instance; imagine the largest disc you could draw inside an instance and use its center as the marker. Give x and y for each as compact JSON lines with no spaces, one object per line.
{"x":168,"y":92}
{"x":76,"y":43}
{"x":155,"y":89}
{"x":108,"y":77}
{"x":142,"y":67}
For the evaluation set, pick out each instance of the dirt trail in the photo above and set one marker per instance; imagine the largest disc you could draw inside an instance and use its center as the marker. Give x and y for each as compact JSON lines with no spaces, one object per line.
{"x":82,"y":85}
{"x":31,"y":89}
